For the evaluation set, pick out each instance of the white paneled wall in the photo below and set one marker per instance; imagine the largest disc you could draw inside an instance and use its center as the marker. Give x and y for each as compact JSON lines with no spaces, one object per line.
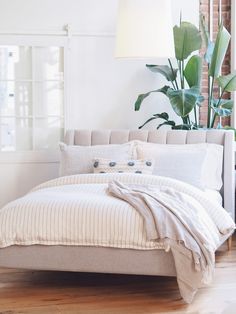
{"x":102,"y":90}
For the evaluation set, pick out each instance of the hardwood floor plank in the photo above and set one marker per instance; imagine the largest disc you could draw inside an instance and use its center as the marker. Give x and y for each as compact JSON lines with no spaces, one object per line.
{"x":36,"y":292}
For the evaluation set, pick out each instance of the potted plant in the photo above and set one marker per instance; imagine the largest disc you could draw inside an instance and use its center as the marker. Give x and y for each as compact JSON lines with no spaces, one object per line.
{"x":184,"y":88}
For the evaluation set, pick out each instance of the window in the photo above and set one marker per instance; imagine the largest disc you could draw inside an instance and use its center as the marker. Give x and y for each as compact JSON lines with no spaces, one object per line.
{"x":31,"y":97}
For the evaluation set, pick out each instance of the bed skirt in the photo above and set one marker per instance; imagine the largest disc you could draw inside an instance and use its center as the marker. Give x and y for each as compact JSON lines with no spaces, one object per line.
{"x":88,"y":259}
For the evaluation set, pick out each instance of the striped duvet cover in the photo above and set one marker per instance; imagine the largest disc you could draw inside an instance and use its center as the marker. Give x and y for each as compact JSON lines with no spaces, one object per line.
{"x":77,"y":210}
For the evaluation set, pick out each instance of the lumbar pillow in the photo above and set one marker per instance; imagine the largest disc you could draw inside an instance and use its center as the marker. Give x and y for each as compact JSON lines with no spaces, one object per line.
{"x":101,"y":165}
{"x":79,"y":159}
{"x":197,"y":164}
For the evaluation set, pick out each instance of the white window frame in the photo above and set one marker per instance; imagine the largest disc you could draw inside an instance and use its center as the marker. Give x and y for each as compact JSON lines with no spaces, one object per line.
{"x":39,"y":40}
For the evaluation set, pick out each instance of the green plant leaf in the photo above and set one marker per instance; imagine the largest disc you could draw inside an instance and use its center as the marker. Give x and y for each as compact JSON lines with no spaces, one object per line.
{"x":204,"y":30}
{"x":182,"y":127}
{"x":221,"y":112}
{"x":146,"y":122}
{"x":221,"y":46}
{"x":224,"y":103}
{"x":141,"y":97}
{"x":164,"y":70}
{"x":171,"y":123}
{"x":187,"y":40}
{"x":228,"y":82}
{"x":193,"y":71}
{"x":163,"y":115}
{"x":206,"y":39}
{"x":183,"y":101}
{"x":229,"y":104}
{"x":223,"y":107}
{"x":200,"y":100}
{"x":209,"y":52}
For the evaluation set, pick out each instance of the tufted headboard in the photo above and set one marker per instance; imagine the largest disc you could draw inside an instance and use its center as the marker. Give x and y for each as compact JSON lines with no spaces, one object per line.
{"x":221,"y":137}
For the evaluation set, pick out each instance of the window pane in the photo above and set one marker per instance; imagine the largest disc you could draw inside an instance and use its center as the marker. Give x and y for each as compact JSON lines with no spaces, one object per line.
{"x":15,"y":63}
{"x":48,"y":63}
{"x":31,"y":97}
{"x":16,"y":134}
{"x":49,"y":98}
{"x":48,"y":133}
{"x":15,"y":98}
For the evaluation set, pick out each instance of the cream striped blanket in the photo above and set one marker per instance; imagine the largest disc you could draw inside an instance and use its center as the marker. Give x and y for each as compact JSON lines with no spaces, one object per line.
{"x":78,"y":210}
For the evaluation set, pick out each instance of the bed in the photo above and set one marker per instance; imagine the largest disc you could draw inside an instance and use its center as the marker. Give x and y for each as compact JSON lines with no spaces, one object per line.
{"x":123,"y":260}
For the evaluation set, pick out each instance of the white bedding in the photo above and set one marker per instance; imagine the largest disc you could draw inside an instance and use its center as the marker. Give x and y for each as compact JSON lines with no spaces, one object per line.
{"x":77,"y":210}
{"x":214,"y":196}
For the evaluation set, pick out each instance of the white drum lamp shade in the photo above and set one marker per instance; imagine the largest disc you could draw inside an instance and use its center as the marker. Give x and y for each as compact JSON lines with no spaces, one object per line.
{"x":144,"y":29}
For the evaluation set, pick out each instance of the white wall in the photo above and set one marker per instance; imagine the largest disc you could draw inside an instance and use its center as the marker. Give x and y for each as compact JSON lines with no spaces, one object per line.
{"x":19,"y":178}
{"x":102,"y":90}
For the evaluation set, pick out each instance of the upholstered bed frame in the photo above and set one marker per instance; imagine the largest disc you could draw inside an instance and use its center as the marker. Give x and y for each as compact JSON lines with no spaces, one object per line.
{"x":112,"y":260}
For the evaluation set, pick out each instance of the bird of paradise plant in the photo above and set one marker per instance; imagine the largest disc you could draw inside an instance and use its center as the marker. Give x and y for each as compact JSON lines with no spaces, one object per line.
{"x":184,"y":89}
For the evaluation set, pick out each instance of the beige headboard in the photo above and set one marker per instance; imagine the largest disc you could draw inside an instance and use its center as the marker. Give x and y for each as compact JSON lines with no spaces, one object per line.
{"x":222,"y":137}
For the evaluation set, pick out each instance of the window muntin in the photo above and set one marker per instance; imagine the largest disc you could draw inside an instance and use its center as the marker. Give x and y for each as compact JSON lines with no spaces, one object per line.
{"x":31,"y":97}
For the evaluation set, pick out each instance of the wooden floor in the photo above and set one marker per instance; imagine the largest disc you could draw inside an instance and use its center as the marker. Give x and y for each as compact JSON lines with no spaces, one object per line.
{"x":54,"y":292}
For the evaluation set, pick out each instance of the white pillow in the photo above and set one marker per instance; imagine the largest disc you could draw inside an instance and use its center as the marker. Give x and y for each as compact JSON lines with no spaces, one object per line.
{"x":196,"y":164}
{"x":213,"y":166}
{"x":101,"y":165}
{"x":79,"y":159}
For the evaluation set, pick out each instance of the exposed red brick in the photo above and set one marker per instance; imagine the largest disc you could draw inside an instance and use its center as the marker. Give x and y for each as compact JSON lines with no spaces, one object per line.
{"x":226,"y":18}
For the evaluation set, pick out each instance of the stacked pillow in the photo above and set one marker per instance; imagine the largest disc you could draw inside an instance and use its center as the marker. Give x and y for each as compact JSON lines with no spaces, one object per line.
{"x":80,"y":159}
{"x":197,"y":164}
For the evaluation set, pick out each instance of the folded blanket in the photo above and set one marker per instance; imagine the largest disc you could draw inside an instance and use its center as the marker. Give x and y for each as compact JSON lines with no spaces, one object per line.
{"x":181,"y":223}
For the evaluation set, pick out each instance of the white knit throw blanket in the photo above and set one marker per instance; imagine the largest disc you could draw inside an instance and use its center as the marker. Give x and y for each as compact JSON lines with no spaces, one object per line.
{"x":182,"y":224}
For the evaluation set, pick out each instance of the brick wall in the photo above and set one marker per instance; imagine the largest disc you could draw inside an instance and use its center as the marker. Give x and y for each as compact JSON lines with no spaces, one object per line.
{"x":226,"y":16}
